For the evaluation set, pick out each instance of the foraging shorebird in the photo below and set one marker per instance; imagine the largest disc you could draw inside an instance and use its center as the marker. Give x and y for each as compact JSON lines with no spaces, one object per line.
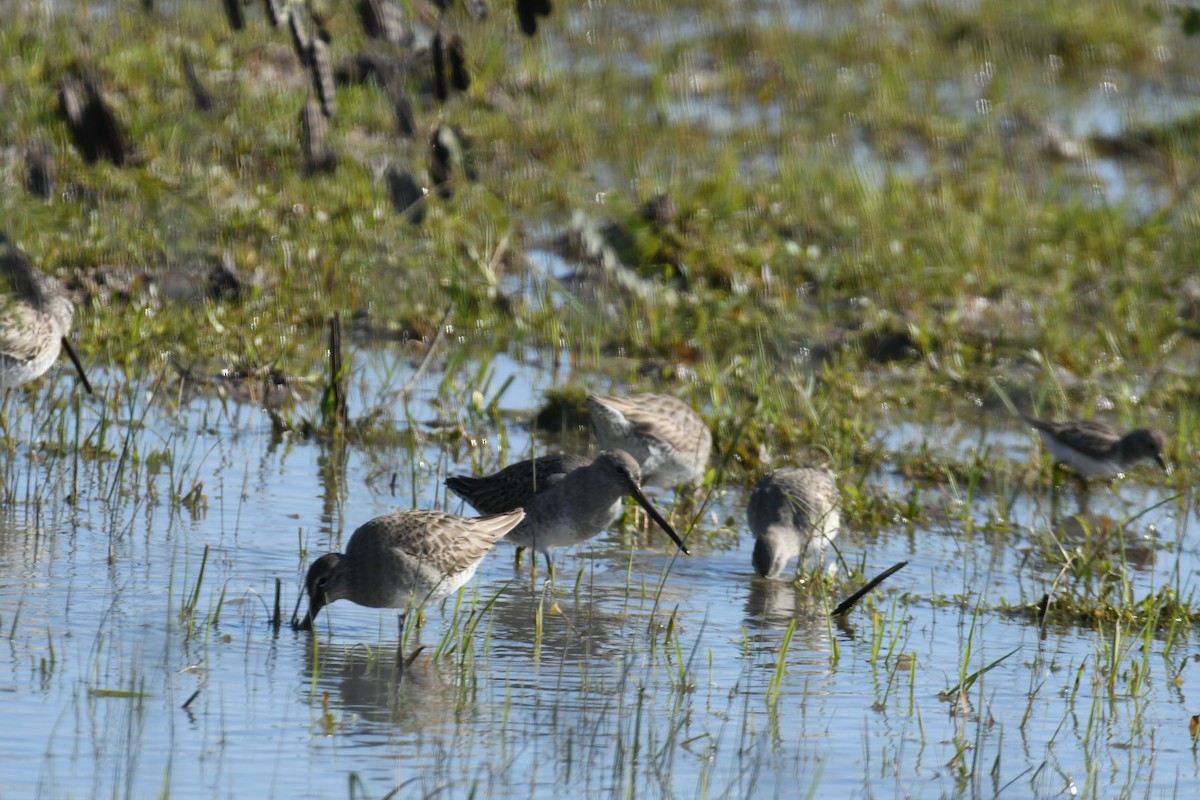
{"x":35,"y":318}
{"x":421,"y":555}
{"x":669,"y":440}
{"x":1094,"y":449}
{"x":792,"y":512}
{"x":567,"y":499}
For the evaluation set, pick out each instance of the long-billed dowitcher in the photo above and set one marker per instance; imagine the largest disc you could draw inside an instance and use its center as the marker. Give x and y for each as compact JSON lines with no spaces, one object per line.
{"x":567,"y":499}
{"x":792,"y":512}
{"x":423,"y":555}
{"x":1095,"y":449}
{"x":35,"y":318}
{"x":669,"y":440}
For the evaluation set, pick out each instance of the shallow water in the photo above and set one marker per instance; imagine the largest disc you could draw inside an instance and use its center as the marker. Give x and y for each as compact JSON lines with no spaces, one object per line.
{"x":650,"y":670}
{"x":639,"y":673}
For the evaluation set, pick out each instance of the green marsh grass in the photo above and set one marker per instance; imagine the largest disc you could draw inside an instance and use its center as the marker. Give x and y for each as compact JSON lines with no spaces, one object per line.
{"x":832,"y":295}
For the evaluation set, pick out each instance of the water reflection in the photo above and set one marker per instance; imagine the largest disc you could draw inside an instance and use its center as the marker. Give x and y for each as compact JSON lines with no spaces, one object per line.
{"x":771,"y":607}
{"x":586,"y":619}
{"x":364,"y":681}
{"x":773,"y":604}
{"x":1093,"y":538}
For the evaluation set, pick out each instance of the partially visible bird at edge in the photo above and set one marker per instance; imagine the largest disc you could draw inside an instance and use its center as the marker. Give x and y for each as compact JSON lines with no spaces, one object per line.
{"x":35,"y":319}
{"x":670,"y":441}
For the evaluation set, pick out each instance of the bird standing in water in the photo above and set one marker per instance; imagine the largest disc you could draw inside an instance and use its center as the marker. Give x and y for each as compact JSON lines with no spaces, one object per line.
{"x":406,"y":555}
{"x":567,"y":499}
{"x":1094,"y":449}
{"x":35,"y":317}
{"x":792,"y":512}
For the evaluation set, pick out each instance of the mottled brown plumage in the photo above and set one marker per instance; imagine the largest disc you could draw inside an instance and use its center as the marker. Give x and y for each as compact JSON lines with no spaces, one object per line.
{"x":670,"y":440}
{"x":403,"y":556}
{"x":1095,"y":449}
{"x":35,"y":317}
{"x":567,"y":499}
{"x":792,"y":512}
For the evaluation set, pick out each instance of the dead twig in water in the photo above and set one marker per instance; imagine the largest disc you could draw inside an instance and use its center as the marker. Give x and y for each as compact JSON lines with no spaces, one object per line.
{"x":416,"y":376}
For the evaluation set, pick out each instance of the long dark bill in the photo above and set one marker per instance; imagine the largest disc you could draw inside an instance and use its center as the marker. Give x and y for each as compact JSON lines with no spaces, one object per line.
{"x":78,"y":366}
{"x":315,"y":604}
{"x":658,"y":518}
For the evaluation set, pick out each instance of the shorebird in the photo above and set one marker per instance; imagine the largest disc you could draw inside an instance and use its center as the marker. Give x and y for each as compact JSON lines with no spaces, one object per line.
{"x":1094,"y":449}
{"x":669,"y":440}
{"x":35,"y":318}
{"x":421,"y":555}
{"x":567,"y":499}
{"x":792,"y":512}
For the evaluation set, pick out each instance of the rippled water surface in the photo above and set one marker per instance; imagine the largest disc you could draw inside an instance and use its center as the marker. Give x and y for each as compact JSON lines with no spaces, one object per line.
{"x":640,"y":672}
{"x":139,"y":562}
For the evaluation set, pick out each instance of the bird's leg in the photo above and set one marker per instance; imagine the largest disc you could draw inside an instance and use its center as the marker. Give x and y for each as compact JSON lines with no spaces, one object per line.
{"x":517,"y":558}
{"x":404,"y":661}
{"x":1081,"y":495}
{"x":400,"y":650}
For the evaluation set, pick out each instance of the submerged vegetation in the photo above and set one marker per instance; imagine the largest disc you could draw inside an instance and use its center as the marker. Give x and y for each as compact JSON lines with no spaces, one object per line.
{"x":856,"y":234}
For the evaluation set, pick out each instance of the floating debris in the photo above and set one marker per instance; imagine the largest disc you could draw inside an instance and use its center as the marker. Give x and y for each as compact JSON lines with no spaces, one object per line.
{"x":598,"y":246}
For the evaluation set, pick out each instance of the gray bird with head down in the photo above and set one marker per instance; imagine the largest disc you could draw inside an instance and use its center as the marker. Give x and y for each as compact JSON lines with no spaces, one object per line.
{"x":405,"y":556}
{"x":792,"y":512}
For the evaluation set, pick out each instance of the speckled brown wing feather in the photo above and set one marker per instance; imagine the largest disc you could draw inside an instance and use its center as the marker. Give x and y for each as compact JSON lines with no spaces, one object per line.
{"x":515,"y":485}
{"x":664,"y":417}
{"x":1090,"y":436}
{"x":23,"y":331}
{"x":24,"y":327}
{"x":794,"y":497}
{"x":445,"y":542}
